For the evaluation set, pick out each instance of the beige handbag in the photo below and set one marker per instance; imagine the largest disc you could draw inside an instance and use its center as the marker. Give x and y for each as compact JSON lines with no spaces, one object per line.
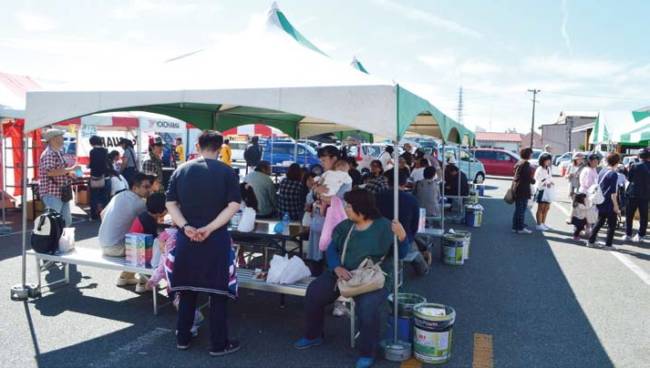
{"x":365,"y":278}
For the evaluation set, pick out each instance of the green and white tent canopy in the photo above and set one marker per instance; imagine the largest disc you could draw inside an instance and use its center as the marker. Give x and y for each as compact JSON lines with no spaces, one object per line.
{"x":621,"y":127}
{"x":268,"y":74}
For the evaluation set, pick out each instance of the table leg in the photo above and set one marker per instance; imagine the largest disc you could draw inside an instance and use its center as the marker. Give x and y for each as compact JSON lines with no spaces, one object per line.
{"x":353,"y":320}
{"x":155,"y":300}
{"x":38,"y":273}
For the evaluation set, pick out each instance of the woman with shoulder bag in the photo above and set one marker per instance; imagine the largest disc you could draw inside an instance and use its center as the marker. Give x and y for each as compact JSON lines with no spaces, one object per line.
{"x":521,"y":183}
{"x":129,"y":162}
{"x":98,"y":171}
{"x":365,"y":235}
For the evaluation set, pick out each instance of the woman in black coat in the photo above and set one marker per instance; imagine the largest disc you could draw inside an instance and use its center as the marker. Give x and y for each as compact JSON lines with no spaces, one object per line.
{"x":521,"y":183}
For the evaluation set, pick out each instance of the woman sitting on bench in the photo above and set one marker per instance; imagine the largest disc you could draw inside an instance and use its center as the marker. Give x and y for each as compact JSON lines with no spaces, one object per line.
{"x":369,"y":235}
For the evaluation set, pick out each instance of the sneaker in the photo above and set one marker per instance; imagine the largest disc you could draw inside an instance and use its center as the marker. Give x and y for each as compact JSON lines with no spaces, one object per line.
{"x":231,"y":347}
{"x":576,"y":238}
{"x":637,"y":238}
{"x":182,"y":346}
{"x":627,"y":238}
{"x":140,"y":288}
{"x":305,"y":343}
{"x":546,"y":227}
{"x":540,"y":227}
{"x":364,"y":362}
{"x":340,"y":310}
{"x":123,"y":281}
{"x":524,"y":231}
{"x":589,"y":244}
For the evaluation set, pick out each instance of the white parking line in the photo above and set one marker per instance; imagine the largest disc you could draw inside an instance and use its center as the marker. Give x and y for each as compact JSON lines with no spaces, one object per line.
{"x":625,"y":260}
{"x":126,"y":351}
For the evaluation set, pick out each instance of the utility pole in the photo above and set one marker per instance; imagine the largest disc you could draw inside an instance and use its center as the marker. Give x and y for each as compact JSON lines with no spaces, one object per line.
{"x":532,"y":122}
{"x":460,"y":105}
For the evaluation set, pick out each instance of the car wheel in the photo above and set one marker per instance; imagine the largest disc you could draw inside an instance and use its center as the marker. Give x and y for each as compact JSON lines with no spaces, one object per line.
{"x":479,"y":178}
{"x":316,"y":169}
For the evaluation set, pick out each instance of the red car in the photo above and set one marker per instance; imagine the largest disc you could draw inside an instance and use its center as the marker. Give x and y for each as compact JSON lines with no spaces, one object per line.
{"x":497,"y":161}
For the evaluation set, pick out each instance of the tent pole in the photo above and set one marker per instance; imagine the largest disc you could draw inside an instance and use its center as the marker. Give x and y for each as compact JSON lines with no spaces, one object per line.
{"x":295,"y":146}
{"x":22,"y":291}
{"x":395,"y":240}
{"x":442,"y":180}
{"x":138,"y":145}
{"x":4,"y":229}
{"x":460,"y":203}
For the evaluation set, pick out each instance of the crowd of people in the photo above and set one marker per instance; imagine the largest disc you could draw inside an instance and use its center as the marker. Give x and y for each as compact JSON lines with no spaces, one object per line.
{"x":204,"y":193}
{"x":600,"y":195}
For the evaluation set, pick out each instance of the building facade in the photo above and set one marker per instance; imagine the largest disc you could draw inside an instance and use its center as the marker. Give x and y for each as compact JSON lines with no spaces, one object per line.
{"x":562,"y":135}
{"x":507,"y":141}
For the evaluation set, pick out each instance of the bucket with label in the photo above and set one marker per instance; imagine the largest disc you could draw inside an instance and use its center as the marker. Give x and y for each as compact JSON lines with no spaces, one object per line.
{"x":452,"y":252}
{"x":473,"y":215}
{"x":467,"y":242}
{"x":433,"y":325}
{"x":405,"y":304}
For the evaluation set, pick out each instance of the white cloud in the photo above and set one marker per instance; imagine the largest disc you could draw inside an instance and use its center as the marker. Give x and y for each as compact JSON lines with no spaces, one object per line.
{"x":429,"y":18}
{"x":32,"y":22}
{"x":139,"y":8}
{"x":475,"y":67}
{"x":565,"y":21}
{"x":573,"y":68}
{"x":438,"y":61}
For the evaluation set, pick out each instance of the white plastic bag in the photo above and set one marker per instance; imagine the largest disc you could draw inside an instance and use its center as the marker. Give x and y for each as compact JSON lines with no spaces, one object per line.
{"x":306,"y":219}
{"x":278,"y":264}
{"x":247,"y":222}
{"x":155,"y":258}
{"x":548,"y":194}
{"x":66,"y":242}
{"x":294,"y":271}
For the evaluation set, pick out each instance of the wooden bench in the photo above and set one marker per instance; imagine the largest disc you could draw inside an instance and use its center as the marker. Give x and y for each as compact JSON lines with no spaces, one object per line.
{"x":94,"y":258}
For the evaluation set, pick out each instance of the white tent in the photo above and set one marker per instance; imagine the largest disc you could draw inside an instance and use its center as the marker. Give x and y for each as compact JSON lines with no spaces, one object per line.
{"x":270,"y":74}
{"x":261,"y":75}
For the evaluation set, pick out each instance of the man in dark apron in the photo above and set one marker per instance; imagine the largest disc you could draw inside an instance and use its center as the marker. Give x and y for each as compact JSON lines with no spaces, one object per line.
{"x":203,"y":195}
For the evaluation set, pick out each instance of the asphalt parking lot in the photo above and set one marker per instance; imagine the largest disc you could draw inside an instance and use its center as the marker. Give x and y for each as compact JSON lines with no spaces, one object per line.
{"x":543,"y":299}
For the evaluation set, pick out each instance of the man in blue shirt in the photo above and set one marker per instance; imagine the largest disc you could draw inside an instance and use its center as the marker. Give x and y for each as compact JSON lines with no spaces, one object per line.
{"x":409,"y":216}
{"x":608,"y":210}
{"x":638,"y":194}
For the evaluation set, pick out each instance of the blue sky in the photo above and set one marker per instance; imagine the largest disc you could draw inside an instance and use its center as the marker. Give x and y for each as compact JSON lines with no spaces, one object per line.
{"x":583,"y":55}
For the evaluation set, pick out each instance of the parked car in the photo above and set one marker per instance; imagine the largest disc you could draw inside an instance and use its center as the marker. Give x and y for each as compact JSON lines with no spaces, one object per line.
{"x":470,"y":166}
{"x":238,"y":148}
{"x":281,"y":152}
{"x":497,"y":161}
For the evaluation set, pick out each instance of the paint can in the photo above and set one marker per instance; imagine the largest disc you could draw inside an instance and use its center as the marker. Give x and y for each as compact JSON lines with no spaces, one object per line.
{"x":452,"y":252}
{"x":405,"y":304}
{"x":473,"y":215}
{"x":433,"y":326}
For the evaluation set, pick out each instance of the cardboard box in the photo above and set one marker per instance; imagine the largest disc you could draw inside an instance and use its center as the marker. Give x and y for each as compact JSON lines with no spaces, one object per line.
{"x":82,"y":197}
{"x":138,"y":249}
{"x":30,"y":209}
{"x":6,"y":201}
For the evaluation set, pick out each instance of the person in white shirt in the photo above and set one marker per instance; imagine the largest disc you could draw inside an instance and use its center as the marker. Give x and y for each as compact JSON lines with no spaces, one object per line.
{"x":418,"y":172}
{"x":386,"y":158}
{"x":543,"y":196}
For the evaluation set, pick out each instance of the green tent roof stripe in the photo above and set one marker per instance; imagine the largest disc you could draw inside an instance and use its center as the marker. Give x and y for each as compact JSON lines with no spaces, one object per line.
{"x":356,"y":64}
{"x":293,"y":32}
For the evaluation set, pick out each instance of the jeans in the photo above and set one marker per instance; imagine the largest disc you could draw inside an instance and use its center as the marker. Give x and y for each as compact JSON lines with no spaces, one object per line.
{"x":322,"y":292}
{"x":218,"y":319}
{"x":98,"y":200}
{"x":55,"y":203}
{"x":579,"y":225}
{"x":521,"y":204}
{"x":611,"y":219}
{"x":630,"y":208}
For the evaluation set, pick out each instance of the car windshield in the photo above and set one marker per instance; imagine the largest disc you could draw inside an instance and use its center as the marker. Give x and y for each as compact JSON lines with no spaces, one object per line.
{"x":536,"y":155}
